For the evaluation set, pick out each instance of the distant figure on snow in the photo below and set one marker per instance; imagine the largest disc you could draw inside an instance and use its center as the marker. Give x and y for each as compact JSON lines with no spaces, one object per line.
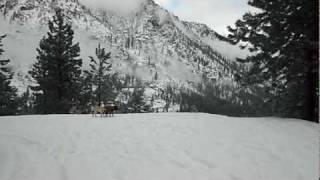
{"x":103,"y":109}
{"x":110,"y":108}
{"x":98,"y":109}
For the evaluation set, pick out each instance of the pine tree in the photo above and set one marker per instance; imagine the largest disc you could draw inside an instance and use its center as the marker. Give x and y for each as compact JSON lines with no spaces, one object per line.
{"x":25,"y":102}
{"x":58,"y":68}
{"x":136,"y":100}
{"x":168,"y":96}
{"x":86,"y":94}
{"x":156,"y":76}
{"x":284,"y":40}
{"x":8,"y":94}
{"x":100,"y":75}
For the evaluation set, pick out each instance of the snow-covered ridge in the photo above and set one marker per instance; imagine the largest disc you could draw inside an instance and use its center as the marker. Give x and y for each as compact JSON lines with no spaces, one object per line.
{"x":151,"y":27}
{"x":151,"y":43}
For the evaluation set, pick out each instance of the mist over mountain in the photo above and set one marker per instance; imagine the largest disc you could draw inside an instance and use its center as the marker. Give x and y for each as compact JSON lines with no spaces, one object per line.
{"x":145,"y":40}
{"x":122,"y":7}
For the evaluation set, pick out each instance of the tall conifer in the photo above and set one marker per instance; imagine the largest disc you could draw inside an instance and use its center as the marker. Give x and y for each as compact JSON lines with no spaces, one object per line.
{"x":283,"y":36}
{"x":8,"y":94}
{"x":58,"y":68}
{"x":100,"y":75}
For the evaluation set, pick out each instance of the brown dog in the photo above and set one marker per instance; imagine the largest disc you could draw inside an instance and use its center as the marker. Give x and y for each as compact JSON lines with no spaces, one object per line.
{"x":110,"y":109}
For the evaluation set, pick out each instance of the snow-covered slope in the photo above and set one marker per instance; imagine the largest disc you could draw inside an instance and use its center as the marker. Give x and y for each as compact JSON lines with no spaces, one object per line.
{"x":147,"y":42}
{"x":157,"y":146}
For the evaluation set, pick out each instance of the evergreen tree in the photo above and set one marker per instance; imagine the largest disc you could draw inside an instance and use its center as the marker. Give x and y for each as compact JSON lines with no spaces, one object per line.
{"x":85,"y":97}
{"x":25,"y":103}
{"x":100,"y":75}
{"x":8,"y":94}
{"x":156,"y":76}
{"x":136,"y":100}
{"x":283,"y":37}
{"x":168,"y":96}
{"x":58,"y":68}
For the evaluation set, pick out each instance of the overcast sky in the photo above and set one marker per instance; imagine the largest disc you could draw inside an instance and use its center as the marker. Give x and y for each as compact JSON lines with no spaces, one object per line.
{"x":217,"y":14}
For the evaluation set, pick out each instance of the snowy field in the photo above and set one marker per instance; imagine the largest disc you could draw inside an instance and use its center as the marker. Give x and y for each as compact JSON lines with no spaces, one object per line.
{"x":157,"y":147}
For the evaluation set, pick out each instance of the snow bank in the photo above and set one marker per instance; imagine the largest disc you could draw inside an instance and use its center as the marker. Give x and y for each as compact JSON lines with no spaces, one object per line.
{"x":157,"y":146}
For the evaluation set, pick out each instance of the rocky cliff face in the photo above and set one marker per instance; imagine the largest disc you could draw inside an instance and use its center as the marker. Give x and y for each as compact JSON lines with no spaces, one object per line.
{"x":150,"y":42}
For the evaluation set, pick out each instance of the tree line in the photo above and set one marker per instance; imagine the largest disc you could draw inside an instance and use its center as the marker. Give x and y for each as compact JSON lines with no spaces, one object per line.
{"x":283,"y":37}
{"x":60,"y":84}
{"x":280,"y":77}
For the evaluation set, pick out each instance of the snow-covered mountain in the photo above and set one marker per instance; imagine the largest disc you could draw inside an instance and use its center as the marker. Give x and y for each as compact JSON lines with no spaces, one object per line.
{"x":147,"y":42}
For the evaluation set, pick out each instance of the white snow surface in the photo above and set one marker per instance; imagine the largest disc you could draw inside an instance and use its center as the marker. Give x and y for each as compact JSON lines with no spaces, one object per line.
{"x":173,"y":146}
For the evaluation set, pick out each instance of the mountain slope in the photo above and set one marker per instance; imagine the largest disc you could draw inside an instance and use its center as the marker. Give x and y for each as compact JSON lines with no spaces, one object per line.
{"x":149,"y":43}
{"x":150,"y":29}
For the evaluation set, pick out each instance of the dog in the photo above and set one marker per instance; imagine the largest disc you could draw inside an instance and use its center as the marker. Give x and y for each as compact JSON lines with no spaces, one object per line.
{"x":110,"y":109}
{"x":104,"y":110}
{"x":97,"y":109}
